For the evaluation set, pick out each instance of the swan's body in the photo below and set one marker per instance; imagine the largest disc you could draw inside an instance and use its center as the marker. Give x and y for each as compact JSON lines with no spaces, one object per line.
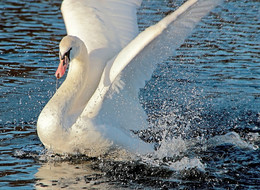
{"x":97,"y":106}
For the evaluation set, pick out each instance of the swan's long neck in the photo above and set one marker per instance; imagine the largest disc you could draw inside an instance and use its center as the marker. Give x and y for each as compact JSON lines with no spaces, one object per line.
{"x":67,"y":103}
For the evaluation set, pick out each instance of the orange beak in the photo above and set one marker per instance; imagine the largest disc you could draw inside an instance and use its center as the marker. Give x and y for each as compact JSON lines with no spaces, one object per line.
{"x":62,"y":67}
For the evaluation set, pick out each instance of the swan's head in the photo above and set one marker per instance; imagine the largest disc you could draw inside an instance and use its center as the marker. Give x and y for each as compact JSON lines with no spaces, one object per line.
{"x":70,"y":48}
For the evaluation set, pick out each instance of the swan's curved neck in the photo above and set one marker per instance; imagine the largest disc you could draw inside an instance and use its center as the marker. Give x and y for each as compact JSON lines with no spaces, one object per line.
{"x":64,"y":107}
{"x":72,"y":90}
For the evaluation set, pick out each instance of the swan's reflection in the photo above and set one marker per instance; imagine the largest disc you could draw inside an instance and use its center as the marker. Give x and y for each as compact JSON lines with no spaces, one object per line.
{"x":53,"y":175}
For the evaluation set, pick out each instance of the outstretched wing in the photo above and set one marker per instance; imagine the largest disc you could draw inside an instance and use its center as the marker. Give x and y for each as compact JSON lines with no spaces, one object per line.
{"x":106,"y":25}
{"x":136,"y":62}
{"x":114,"y":114}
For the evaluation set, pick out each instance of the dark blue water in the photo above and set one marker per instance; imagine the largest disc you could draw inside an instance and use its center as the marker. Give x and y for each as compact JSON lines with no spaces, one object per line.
{"x":205,"y":100}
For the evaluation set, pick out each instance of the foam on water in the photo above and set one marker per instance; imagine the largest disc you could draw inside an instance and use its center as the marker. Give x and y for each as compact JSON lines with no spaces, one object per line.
{"x":231,"y":138}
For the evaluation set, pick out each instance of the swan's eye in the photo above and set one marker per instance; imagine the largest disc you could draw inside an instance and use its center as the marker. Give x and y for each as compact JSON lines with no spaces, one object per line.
{"x":67,"y":54}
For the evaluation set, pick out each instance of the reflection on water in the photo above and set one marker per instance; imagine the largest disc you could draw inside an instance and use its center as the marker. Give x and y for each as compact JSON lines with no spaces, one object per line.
{"x":64,"y":174}
{"x":204,"y":101}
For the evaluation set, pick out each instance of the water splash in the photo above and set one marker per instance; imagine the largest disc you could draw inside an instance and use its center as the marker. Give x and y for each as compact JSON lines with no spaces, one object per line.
{"x":57,"y":83}
{"x":231,"y":138}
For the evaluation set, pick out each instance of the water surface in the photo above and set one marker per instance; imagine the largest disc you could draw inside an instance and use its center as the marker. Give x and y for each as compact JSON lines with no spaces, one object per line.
{"x":204,"y":100}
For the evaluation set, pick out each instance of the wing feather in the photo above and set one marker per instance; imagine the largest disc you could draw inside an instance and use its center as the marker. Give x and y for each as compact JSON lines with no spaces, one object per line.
{"x":101,"y":24}
{"x":136,"y":62}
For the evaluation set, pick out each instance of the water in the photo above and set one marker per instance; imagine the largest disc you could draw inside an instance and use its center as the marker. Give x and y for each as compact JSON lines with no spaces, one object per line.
{"x":204,"y":100}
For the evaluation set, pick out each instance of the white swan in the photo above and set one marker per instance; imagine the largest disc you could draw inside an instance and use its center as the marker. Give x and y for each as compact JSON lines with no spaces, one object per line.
{"x":97,"y":105}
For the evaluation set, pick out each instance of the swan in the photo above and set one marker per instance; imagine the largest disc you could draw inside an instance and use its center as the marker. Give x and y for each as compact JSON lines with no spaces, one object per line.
{"x":96,"y":108}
